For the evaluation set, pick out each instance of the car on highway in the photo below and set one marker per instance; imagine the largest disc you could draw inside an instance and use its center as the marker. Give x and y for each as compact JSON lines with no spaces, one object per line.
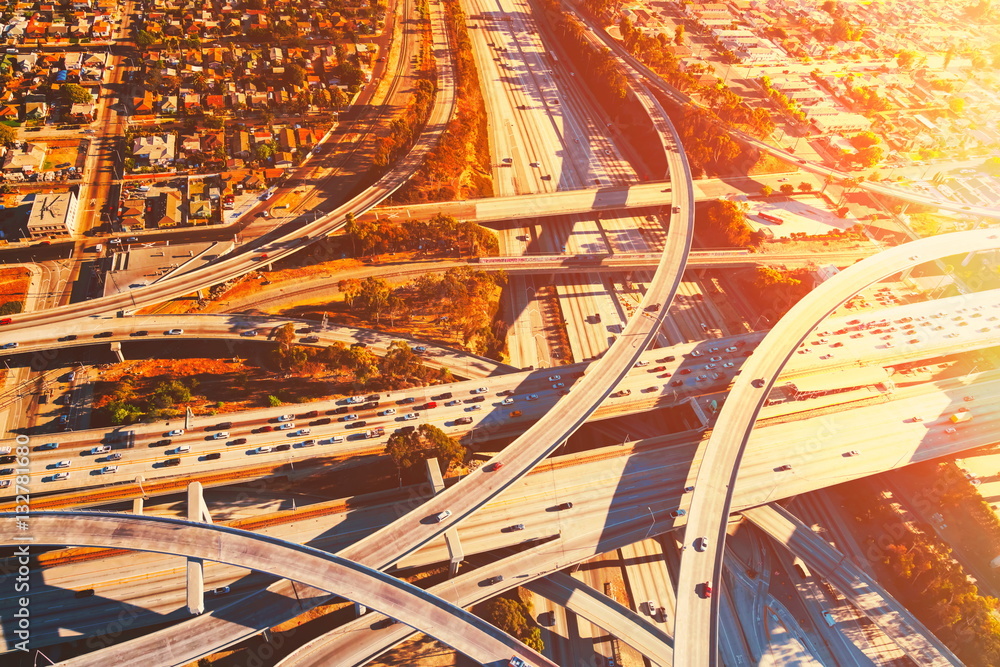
{"x":173,"y":332}
{"x":783,"y":468}
{"x":706,"y":590}
{"x":473,"y":408}
{"x":853,"y":452}
{"x":286,"y":426}
{"x":715,"y":358}
{"x":516,"y":527}
{"x":286,"y":418}
{"x":58,"y":476}
{"x":441,"y":516}
{"x":347,"y":418}
{"x":263,"y":449}
{"x":284,"y":447}
{"x":107,"y":470}
{"x":640,"y":363}
{"x":701,"y":543}
{"x":176,"y":432}
{"x":420,"y":348}
{"x":531,"y":397}
{"x":212,"y":456}
{"x":249,"y":333}
{"x":220,"y":591}
{"x":219,"y":436}
{"x":558,"y":385}
{"x":452,"y":402}
{"x":555,"y":378}
{"x":61,"y":464}
{"x":758,"y":383}
{"x":101,"y":449}
{"x":479,"y":390}
{"x":677,"y":513}
{"x":301,"y":431}
{"x":507,"y":401}
{"x":515,"y":413}
{"x":48,"y":445}
{"x":387,"y":412}
{"x":950,"y":430}
{"x":701,"y":378}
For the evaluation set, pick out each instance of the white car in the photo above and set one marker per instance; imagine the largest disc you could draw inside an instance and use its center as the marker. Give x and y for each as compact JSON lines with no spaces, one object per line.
{"x":641,"y":363}
{"x":388,"y":411}
{"x":61,"y":464}
{"x":715,"y":358}
{"x":480,"y":390}
{"x":286,"y":418}
{"x":555,"y":378}
{"x":220,"y":435}
{"x":409,"y":415}
{"x":60,"y":476}
{"x":264,"y":449}
{"x":182,"y":449}
{"x":347,"y":418}
{"x":288,"y":425}
{"x":176,"y":431}
{"x":107,"y":470}
{"x":303,"y":431}
{"x":175,"y":332}
{"x":559,"y":385}
{"x":531,"y":397}
{"x":473,"y":408}
{"x":507,"y":401}
{"x":101,"y":449}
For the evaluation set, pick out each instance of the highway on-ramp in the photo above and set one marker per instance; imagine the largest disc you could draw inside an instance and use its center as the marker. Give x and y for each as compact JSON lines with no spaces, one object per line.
{"x":895,"y":620}
{"x":696,"y":626}
{"x":452,"y":625}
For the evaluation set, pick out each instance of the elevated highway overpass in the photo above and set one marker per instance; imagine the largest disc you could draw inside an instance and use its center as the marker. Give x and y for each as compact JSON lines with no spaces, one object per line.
{"x":452,"y":625}
{"x":696,"y":626}
{"x":619,"y":482}
{"x":829,"y":367}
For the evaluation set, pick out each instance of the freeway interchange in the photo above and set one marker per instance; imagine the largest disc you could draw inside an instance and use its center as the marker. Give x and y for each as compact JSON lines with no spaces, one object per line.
{"x":562,"y":402}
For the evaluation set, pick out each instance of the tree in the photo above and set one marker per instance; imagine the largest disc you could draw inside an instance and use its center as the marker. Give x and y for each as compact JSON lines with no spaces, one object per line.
{"x":144,"y":40}
{"x":285,"y":335}
{"x":76,"y":94}
{"x":679,"y":35}
{"x":864,"y":139}
{"x":787,"y":188}
{"x":7,"y":135}
{"x":766,"y":190}
{"x":956,"y":104}
{"x":830,"y":7}
{"x":426,"y":442}
{"x":295,"y":75}
{"x":906,"y":58}
{"x":869,"y":157}
{"x":723,"y":223}
{"x":805,"y":186}
{"x":373,"y":299}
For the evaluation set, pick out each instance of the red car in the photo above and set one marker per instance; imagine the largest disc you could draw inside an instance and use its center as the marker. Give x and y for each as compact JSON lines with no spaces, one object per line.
{"x":496,"y":466}
{"x":706,"y":589}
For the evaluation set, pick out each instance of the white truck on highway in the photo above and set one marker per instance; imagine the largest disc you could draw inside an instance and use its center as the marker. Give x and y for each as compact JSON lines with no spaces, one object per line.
{"x":959,"y":417}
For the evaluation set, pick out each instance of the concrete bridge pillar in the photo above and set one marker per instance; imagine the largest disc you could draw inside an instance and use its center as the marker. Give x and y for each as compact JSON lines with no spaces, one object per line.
{"x":197,"y":511}
{"x":455,"y":552}
{"x":137,"y":505}
{"x":116,"y":348}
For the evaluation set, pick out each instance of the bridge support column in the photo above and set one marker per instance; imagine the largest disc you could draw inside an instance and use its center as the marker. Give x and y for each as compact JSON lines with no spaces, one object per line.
{"x":137,"y":505}
{"x":195,"y":568}
{"x":359,"y":610}
{"x":116,"y":347}
{"x":455,"y":552}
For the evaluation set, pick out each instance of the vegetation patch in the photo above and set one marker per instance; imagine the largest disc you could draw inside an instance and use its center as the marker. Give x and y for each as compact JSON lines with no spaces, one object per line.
{"x":162,"y":389}
{"x":918,"y":570}
{"x":459,"y":166}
